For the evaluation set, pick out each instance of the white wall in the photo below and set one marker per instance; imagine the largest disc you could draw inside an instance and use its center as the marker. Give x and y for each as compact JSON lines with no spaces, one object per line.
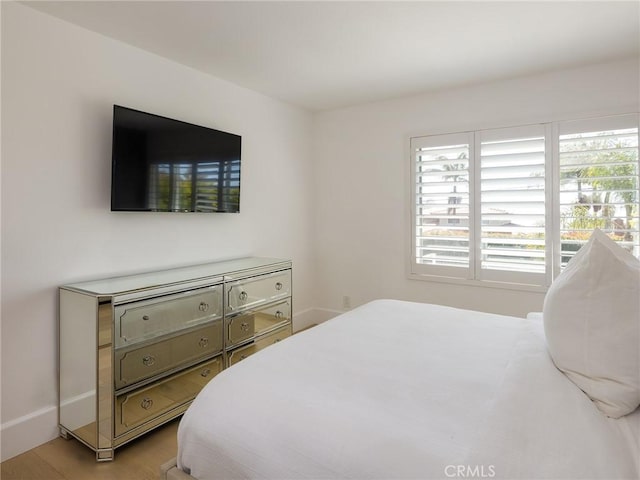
{"x":362,"y":177}
{"x":59,"y":83}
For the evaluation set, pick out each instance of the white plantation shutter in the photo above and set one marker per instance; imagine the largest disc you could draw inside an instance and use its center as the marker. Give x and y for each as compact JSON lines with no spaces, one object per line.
{"x":512,"y":205}
{"x":598,"y":162}
{"x":441,"y":204}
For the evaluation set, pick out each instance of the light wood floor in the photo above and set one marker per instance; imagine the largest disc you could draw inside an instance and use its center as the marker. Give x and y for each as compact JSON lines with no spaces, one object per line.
{"x":62,"y":459}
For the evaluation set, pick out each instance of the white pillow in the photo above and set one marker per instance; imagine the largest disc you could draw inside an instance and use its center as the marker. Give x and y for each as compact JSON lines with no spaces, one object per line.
{"x":592,"y":324}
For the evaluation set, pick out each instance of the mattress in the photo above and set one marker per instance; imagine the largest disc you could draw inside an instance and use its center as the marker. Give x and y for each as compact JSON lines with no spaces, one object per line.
{"x":400,"y":390}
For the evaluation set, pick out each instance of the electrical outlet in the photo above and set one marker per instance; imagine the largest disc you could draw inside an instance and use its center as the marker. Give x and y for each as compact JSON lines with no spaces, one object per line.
{"x":346,"y":302}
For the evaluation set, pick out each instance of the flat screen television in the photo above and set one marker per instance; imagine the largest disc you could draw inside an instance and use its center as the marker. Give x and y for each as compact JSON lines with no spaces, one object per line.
{"x":165,"y":165}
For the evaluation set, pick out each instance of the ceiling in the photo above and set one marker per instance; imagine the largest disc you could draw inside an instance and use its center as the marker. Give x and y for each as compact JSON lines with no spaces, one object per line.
{"x":324,"y":55}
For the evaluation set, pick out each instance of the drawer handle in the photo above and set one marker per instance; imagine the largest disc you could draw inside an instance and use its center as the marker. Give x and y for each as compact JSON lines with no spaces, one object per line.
{"x":279,"y":315}
{"x":203,"y":307}
{"x":148,"y":360}
{"x":204,"y":341}
{"x":278,"y":286}
{"x":243,"y":296}
{"x":145,"y":317}
{"x":244,"y":326}
{"x":146,"y":403}
{"x":205,"y":373}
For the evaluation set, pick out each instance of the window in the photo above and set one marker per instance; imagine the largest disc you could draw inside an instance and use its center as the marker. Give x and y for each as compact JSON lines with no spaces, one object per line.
{"x":598,"y":164}
{"x":513,"y":205}
{"x":442,"y":202}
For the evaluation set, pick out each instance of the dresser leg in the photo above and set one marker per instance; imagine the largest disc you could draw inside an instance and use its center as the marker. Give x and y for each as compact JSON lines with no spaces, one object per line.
{"x":104,"y":455}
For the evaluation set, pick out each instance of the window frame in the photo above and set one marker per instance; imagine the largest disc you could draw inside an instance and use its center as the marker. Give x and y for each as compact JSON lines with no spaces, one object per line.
{"x":475,"y":275}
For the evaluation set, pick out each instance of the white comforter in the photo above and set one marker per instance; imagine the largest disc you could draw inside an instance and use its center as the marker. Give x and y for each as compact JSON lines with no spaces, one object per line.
{"x":397,"y":390}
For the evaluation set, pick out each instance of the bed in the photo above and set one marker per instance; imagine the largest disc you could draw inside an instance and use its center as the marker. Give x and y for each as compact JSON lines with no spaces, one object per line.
{"x":402,"y":390}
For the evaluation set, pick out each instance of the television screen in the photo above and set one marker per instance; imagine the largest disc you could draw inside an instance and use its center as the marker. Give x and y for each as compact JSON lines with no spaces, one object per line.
{"x":165,"y":165}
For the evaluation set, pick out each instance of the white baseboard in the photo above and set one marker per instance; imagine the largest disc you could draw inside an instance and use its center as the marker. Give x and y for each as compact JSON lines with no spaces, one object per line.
{"x":27,"y":432}
{"x":312,"y":316}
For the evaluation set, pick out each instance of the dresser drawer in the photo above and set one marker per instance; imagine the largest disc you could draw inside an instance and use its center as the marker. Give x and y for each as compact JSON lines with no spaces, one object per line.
{"x":140,"y":406}
{"x":138,"y":321}
{"x":256,"y":322}
{"x":132,"y":366}
{"x":240,"y":328}
{"x":243,"y":352}
{"x":200,"y":343}
{"x":252,"y":292}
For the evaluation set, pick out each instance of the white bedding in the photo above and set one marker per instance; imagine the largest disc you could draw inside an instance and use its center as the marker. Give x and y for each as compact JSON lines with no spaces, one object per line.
{"x":397,"y":390}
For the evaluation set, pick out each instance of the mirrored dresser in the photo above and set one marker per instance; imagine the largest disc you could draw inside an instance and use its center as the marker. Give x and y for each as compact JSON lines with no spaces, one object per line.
{"x":136,"y":350}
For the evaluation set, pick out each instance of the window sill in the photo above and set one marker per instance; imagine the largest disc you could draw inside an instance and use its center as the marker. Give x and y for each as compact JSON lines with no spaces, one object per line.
{"x":477,"y":283}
